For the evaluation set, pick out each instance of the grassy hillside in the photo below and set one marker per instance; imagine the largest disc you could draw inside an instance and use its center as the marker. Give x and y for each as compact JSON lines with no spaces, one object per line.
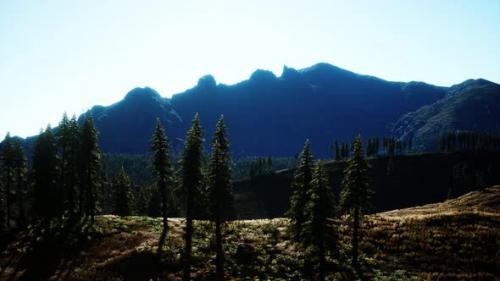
{"x":454,"y":240}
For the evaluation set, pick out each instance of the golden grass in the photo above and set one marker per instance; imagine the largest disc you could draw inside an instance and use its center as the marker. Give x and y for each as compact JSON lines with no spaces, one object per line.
{"x":454,"y":240}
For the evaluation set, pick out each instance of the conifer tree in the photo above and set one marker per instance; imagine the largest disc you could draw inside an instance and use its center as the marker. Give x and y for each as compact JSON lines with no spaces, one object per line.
{"x":47,"y":194}
{"x":219,"y":189}
{"x":90,"y":167}
{"x":20,"y":173}
{"x":122,"y":193}
{"x":69,"y":145}
{"x":163,"y":173}
{"x":319,"y":235}
{"x":191,"y":177}
{"x":301,"y":185}
{"x":7,"y":180}
{"x":355,"y":192}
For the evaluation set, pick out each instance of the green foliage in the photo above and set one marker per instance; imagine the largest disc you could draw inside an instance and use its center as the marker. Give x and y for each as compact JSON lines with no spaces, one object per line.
{"x":163,"y":174}
{"x":90,"y":167}
{"x":219,"y":175}
{"x":191,"y":179}
{"x":48,"y":200}
{"x":301,"y":185}
{"x":161,"y":158}
{"x":162,"y":167}
{"x":219,"y":189}
{"x":139,"y":167}
{"x":122,"y":193}
{"x":68,"y":141}
{"x":469,"y":141}
{"x":318,"y":234}
{"x":253,"y":167}
{"x":12,"y":181}
{"x":355,"y":193}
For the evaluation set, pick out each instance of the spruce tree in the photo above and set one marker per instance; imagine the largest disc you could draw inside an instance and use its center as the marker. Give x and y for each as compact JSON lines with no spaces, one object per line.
{"x":69,"y":145}
{"x":318,"y":233}
{"x":301,"y":185}
{"x":90,"y":167}
{"x":219,"y":189}
{"x":7,"y":180}
{"x":163,"y":173}
{"x":355,"y":194}
{"x":20,"y":173}
{"x":191,"y":177}
{"x":122,"y":193}
{"x":47,"y":194}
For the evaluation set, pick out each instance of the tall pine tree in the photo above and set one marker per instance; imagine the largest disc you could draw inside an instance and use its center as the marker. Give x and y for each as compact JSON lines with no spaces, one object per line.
{"x":90,"y":167}
{"x":68,"y":141}
{"x":7,"y":180}
{"x":20,"y":173}
{"x":355,"y":194}
{"x":163,"y":173}
{"x":219,"y":190}
{"x":47,"y":194}
{"x":301,"y":185}
{"x":191,"y":177}
{"x":318,"y":233}
{"x":13,"y":182}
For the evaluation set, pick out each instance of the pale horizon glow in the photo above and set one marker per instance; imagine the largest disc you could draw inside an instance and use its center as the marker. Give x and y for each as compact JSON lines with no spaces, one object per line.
{"x":66,"y":56}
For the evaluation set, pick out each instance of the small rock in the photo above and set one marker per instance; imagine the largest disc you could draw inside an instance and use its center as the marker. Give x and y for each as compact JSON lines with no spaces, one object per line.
{"x":245,"y":254}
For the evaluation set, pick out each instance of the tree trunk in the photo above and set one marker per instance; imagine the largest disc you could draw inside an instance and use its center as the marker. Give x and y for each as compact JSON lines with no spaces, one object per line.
{"x":219,"y":259}
{"x":164,"y":208}
{"x":164,"y":215}
{"x":355,"y":234}
{"x":90,"y":194}
{"x":188,"y":237}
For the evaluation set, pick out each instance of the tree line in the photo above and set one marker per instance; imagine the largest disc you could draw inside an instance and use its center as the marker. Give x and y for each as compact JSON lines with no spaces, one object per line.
{"x":65,"y":180}
{"x":66,"y":176}
{"x":62,"y":180}
{"x":469,"y":141}
{"x":388,"y":146}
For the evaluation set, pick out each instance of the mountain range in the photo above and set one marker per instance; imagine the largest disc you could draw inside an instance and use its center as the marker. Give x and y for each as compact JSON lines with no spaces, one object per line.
{"x":272,"y":116}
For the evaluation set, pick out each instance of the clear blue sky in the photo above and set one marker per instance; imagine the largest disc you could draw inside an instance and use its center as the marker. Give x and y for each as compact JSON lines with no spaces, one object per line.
{"x":58,"y":56}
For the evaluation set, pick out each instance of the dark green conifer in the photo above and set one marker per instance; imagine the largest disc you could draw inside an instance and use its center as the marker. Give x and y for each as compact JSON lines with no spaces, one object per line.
{"x":355,"y":194}
{"x":191,"y":178}
{"x":163,"y":173}
{"x":219,"y":189}
{"x":68,"y":141}
{"x":47,"y":194}
{"x":319,"y":234}
{"x":90,"y":167}
{"x":20,"y":177}
{"x":7,"y":180}
{"x":301,"y":185}
{"x":122,"y":193}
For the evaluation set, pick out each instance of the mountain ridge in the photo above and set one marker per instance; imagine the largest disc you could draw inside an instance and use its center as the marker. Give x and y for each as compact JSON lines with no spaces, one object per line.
{"x":272,"y":115}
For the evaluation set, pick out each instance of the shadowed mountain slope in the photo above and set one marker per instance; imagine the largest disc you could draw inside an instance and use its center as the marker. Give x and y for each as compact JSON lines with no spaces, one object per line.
{"x":473,"y":105}
{"x":268,"y":115}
